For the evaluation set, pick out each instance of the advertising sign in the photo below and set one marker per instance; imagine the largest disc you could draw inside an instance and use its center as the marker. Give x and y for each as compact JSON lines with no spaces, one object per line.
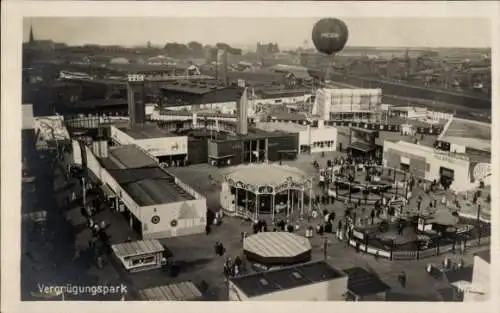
{"x":164,"y":146}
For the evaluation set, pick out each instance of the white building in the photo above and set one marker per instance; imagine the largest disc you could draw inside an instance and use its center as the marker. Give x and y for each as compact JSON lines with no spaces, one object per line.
{"x":311,"y":139}
{"x":348,"y":104}
{"x":153,"y":140}
{"x":158,"y":204}
{"x":430,"y":164}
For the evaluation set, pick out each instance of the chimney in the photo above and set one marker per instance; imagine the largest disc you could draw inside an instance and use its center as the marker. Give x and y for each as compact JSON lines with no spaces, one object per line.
{"x":224,"y":68}
{"x":136,"y":99}
{"x":242,"y":114}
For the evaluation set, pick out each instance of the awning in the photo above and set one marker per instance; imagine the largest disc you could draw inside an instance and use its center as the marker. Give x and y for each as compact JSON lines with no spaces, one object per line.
{"x":361,"y":146}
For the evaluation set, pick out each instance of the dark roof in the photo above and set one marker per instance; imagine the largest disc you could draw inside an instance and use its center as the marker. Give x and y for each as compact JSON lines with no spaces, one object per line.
{"x":189,"y":89}
{"x":129,"y":156}
{"x":98,"y":103}
{"x":364,"y":130}
{"x":178,"y":95}
{"x":141,"y":178}
{"x":286,"y":278}
{"x":361,"y":146}
{"x":285,"y":116}
{"x":485,"y":255}
{"x":267,"y":94}
{"x":145,"y":132}
{"x":363,"y":283}
{"x":463,"y":274}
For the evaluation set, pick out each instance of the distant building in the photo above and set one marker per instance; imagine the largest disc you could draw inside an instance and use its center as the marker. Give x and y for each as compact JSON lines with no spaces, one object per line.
{"x":348,"y":104}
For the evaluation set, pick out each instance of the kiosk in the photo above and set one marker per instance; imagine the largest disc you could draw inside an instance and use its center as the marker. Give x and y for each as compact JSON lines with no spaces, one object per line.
{"x":139,"y":255}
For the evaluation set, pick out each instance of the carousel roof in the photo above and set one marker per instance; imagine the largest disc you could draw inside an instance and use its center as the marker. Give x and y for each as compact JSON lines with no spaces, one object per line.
{"x":276,"y":244}
{"x":265,"y":174}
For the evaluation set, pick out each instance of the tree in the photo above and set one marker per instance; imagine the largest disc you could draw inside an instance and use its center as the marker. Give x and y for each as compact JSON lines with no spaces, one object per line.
{"x":174,"y":49}
{"x":196,"y":48}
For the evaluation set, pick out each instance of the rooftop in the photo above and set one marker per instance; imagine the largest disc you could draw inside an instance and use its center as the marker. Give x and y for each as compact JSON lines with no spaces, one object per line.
{"x":127,"y":249}
{"x":277,"y":126}
{"x":189,"y":89}
{"x":179,"y":95}
{"x":395,"y":120}
{"x":253,"y":133}
{"x":363,"y":283}
{"x":426,"y":140}
{"x":285,"y":116}
{"x":485,"y":255}
{"x":469,"y":133}
{"x":182,"y":291}
{"x":258,"y":284}
{"x":265,"y":174}
{"x":407,"y":108}
{"x":141,"y":178}
{"x":146,"y":131}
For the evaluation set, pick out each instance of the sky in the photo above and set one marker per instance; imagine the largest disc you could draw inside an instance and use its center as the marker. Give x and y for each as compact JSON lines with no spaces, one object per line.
{"x":241,"y":32}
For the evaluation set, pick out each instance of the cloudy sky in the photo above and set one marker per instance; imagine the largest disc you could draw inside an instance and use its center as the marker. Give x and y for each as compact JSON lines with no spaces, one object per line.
{"x":288,"y":32}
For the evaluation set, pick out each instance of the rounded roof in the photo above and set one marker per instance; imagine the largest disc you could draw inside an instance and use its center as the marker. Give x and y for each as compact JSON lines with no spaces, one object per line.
{"x":265,"y":174}
{"x":276,"y":244}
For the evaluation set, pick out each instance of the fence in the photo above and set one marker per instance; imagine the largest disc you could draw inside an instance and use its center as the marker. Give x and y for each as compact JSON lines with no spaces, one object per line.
{"x":415,"y":254}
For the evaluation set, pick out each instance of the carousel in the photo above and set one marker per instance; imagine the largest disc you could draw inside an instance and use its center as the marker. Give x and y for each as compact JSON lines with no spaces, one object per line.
{"x":256,"y":191}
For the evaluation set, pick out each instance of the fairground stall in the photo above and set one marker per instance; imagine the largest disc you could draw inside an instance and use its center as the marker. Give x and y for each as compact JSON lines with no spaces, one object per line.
{"x":139,"y":255}
{"x":265,"y":189}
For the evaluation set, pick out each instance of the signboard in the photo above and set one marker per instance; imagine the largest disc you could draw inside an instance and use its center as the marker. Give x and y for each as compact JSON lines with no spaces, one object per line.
{"x":164,"y":146}
{"x":135,"y":77}
{"x":449,"y":157}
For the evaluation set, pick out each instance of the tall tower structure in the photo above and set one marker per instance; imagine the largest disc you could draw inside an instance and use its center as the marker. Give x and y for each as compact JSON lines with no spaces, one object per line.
{"x":242,"y":111}
{"x":32,"y":36}
{"x":136,"y":97}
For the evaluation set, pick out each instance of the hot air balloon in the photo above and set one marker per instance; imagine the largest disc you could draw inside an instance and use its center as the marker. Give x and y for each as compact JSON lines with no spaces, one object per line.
{"x":330,"y":35}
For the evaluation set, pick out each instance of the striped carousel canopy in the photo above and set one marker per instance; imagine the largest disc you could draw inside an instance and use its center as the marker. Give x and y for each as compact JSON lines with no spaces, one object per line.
{"x":276,"y":244}
{"x":265,"y":174}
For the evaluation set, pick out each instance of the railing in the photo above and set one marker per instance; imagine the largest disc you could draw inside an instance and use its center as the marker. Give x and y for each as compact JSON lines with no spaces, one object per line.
{"x":407,"y":255}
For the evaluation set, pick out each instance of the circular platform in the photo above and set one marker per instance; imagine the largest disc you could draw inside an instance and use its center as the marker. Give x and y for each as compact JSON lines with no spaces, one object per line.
{"x":277,"y":248}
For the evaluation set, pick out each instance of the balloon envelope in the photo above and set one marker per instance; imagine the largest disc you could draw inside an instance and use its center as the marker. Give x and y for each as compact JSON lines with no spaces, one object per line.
{"x":330,"y":35}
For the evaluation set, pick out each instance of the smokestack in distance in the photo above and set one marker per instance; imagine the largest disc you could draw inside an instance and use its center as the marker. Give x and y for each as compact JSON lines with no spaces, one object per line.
{"x":224,"y":68}
{"x":136,"y":98}
{"x":242,"y":113}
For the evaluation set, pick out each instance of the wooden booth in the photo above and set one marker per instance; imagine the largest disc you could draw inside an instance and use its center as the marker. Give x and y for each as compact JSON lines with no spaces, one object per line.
{"x":139,"y":255}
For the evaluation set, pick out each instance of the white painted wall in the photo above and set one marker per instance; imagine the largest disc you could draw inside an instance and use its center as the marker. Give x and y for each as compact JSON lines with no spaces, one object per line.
{"x":436,"y":160}
{"x":156,"y":147}
{"x":480,"y":278}
{"x":164,"y":146}
{"x":315,"y":135}
{"x":172,"y":211}
{"x":332,"y":290}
